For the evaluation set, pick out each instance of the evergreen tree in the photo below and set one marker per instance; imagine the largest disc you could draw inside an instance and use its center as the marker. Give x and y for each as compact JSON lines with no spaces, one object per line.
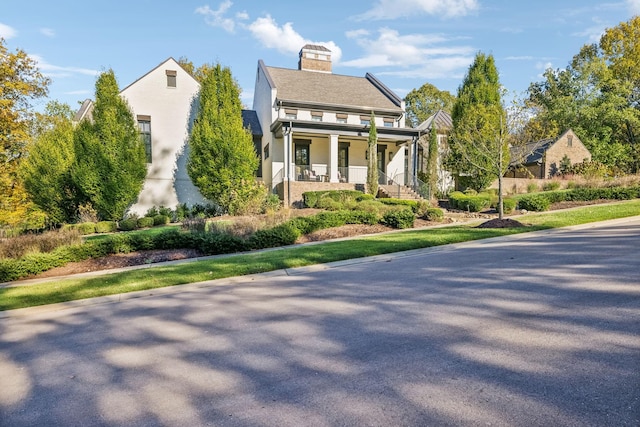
{"x":46,"y":171}
{"x":110,"y":164}
{"x":223,"y":161}
{"x":372,"y":166}
{"x":432,"y":161}
{"x":479,"y":139}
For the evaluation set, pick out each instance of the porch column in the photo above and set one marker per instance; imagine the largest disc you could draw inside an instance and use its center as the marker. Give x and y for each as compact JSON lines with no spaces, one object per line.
{"x":333,"y":158}
{"x":287,"y":131}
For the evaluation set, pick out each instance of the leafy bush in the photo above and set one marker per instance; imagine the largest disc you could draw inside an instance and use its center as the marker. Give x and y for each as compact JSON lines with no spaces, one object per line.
{"x":365,"y":197}
{"x":550,"y":186}
{"x":532,"y":187}
{"x":412,"y":204}
{"x":280,"y":235}
{"x":508,"y":204}
{"x":160,"y":219}
{"x":86,"y":228}
{"x":401,"y":218}
{"x":473,"y":203}
{"x":106,"y":227}
{"x":433,"y":214}
{"x":219,"y":243}
{"x":311,"y":198}
{"x":145,"y":222}
{"x":329,"y":204}
{"x":128,"y":224}
{"x":534,"y":202}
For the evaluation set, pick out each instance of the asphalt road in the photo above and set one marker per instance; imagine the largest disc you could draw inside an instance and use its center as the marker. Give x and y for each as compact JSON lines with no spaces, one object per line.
{"x":532,"y":330}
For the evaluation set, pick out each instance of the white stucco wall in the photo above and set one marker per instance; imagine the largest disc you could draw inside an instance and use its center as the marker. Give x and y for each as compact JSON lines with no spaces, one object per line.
{"x":263,"y":104}
{"x":167,"y":183}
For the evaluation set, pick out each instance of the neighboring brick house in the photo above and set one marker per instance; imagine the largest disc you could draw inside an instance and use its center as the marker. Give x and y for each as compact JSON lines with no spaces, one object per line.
{"x":543,"y":159}
{"x":316,"y":126}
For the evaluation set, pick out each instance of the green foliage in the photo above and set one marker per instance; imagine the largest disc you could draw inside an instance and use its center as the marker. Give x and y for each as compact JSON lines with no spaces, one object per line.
{"x":312,"y":198}
{"x":106,"y":227}
{"x":372,"y":161}
{"x":128,"y":224}
{"x":534,"y":202}
{"x":110,"y":161}
{"x":145,"y":222}
{"x":161,"y":219}
{"x":223,"y":161}
{"x":550,"y":186}
{"x":532,"y":187}
{"x":46,"y":171}
{"x":509,"y":205}
{"x":400,"y":218}
{"x":472,"y":202}
{"x":86,"y":227}
{"x":432,"y":162}
{"x":433,"y":214}
{"x":424,"y":102}
{"x":18,"y":246}
{"x":280,"y":235}
{"x":412,"y":204}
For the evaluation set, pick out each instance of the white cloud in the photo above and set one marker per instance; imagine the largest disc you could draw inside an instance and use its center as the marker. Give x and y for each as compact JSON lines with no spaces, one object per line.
{"x":417,"y":51}
{"x":58,"y":71}
{"x":634,"y":6}
{"x":216,"y":18}
{"x":392,"y":9}
{"x":285,"y":39}
{"x":7,"y":32}
{"x":452,"y":67}
{"x":47,"y":32}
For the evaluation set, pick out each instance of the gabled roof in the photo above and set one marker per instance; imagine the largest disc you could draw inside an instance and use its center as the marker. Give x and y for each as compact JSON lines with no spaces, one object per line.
{"x":308,"y":87}
{"x":533,"y":152}
{"x":250,"y":120}
{"x":85,"y":111}
{"x":441,"y":120}
{"x":170,"y":59}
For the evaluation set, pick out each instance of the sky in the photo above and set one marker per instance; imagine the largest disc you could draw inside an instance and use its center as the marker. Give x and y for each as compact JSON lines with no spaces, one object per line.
{"x":405,"y":43}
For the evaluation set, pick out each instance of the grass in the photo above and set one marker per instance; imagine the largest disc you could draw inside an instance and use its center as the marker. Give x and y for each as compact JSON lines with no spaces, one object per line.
{"x":291,"y":257}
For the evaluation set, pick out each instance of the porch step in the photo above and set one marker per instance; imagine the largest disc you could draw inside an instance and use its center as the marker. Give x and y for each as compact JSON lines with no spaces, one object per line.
{"x":399,"y":192}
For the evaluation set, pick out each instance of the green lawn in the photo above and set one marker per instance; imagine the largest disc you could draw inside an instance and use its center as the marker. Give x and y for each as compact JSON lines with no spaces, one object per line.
{"x":290,"y":257}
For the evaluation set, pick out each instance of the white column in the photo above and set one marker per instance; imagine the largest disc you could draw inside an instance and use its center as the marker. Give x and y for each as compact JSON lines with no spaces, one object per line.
{"x":287,"y":154}
{"x":333,"y":158}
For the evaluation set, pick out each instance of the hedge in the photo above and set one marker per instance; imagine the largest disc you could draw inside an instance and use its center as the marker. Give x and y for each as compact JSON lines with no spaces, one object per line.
{"x":401,"y":218}
{"x":533,"y":202}
{"x":470,"y":202}
{"x":311,"y":198}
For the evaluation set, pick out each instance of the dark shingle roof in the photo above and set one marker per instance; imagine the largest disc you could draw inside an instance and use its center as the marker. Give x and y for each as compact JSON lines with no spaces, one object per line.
{"x":441,"y":119}
{"x":250,"y":120}
{"x":332,"y":89}
{"x":533,"y":152}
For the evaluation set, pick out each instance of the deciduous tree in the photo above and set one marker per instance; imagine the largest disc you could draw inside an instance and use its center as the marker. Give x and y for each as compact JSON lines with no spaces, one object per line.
{"x":372,"y":164}
{"x":427,"y":100}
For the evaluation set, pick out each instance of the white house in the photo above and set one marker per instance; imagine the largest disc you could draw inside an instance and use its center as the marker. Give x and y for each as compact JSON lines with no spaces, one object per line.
{"x":316,"y":125}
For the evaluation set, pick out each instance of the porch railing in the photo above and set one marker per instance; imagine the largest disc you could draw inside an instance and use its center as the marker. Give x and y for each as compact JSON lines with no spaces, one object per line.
{"x":403,"y":180}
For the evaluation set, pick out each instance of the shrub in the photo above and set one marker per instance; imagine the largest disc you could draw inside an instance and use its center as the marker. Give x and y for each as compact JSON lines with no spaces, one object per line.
{"x":508,"y":204}
{"x":106,"y":227}
{"x":160,"y":219}
{"x":280,"y":235}
{"x":16,"y":247}
{"x":534,"y":202}
{"x":165,"y":211}
{"x":329,"y":204}
{"x":532,"y":187}
{"x":413,"y":204}
{"x":401,"y":218}
{"x":550,"y":186}
{"x":219,"y":243}
{"x":473,"y":203}
{"x":151,"y":212}
{"x":311,"y":198}
{"x":364,"y":197}
{"x":433,"y":214}
{"x":145,"y":222}
{"x":128,"y":224}
{"x":86,"y":228}
{"x":454,"y":197}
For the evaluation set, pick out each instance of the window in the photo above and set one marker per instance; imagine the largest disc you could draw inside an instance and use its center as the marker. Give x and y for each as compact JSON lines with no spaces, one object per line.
{"x":316,"y":116}
{"x":266,"y":151}
{"x":144,"y":130}
{"x":171,"y":78}
{"x":341,"y":118}
{"x":388,"y":123}
{"x":365,"y":120}
{"x":569,"y":140}
{"x":290,"y":114}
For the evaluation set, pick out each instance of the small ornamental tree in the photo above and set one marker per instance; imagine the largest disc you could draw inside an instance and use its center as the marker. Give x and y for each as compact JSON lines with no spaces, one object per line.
{"x":223,"y":161}
{"x":432,"y":161}
{"x":110,"y":163}
{"x":372,"y":165}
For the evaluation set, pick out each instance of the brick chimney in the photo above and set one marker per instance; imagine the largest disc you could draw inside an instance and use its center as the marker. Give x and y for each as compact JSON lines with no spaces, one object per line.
{"x":315,"y":58}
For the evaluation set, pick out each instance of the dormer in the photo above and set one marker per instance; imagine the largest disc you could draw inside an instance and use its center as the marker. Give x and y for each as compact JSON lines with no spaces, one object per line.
{"x":315,"y":58}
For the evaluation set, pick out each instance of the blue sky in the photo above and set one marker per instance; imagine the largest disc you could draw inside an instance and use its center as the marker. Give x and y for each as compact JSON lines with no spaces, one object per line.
{"x":405,"y":43}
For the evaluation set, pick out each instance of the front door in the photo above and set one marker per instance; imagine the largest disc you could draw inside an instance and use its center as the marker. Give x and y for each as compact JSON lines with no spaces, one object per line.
{"x":343,"y":162}
{"x":381,"y":164}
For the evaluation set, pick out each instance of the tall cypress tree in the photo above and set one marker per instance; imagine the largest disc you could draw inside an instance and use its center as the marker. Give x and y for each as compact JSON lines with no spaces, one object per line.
{"x":479,"y":146}
{"x":110,"y":164}
{"x":372,"y":165}
{"x":222,"y":161}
